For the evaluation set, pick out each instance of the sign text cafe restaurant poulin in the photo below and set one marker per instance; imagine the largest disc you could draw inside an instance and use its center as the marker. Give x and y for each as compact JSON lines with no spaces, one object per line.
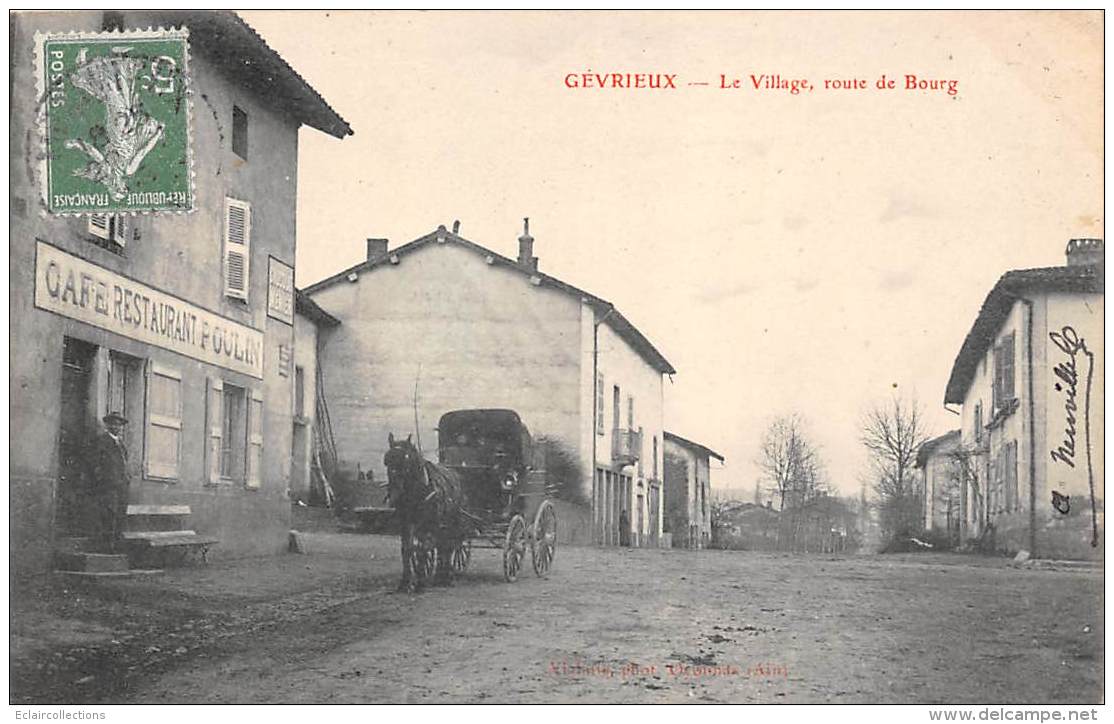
{"x":146,"y":315}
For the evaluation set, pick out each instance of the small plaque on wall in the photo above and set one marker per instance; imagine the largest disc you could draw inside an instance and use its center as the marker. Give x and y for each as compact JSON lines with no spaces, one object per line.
{"x":280,"y":291}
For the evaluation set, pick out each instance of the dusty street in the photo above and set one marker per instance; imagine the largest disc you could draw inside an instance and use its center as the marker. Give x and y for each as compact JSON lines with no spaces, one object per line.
{"x":608,"y":625}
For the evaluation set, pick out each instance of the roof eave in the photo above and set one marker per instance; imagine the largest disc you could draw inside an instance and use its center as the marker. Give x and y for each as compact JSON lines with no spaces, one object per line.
{"x":272,"y":74}
{"x":1009,"y":289}
{"x":620,"y":324}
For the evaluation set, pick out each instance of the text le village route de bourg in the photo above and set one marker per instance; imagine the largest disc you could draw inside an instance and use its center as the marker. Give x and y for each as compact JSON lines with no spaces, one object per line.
{"x":760,"y":83}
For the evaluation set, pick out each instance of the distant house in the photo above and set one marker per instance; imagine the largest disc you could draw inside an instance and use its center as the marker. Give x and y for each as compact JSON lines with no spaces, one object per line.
{"x":746,"y":526}
{"x":442,"y":323}
{"x":688,"y":491}
{"x":939,"y":472}
{"x":1029,"y":377}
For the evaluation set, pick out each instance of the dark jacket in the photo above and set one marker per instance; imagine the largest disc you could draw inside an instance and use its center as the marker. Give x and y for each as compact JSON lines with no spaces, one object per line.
{"x":108,"y":465}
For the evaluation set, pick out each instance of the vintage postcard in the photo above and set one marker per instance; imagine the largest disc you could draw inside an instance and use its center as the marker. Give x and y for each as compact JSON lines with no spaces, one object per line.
{"x":558,"y":357}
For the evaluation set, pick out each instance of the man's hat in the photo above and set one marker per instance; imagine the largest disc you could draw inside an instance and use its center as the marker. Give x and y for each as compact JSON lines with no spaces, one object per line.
{"x":115,"y":417}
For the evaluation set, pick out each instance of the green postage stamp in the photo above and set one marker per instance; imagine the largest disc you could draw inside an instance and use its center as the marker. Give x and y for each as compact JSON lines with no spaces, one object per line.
{"x":116,"y":122}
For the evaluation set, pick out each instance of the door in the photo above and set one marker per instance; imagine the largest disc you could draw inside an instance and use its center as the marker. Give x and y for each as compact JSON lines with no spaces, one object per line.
{"x":73,"y":512}
{"x":639,"y":539}
{"x":299,"y":463}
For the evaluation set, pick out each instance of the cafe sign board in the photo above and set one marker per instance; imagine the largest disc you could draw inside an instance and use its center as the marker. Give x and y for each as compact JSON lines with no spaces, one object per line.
{"x":80,"y":290}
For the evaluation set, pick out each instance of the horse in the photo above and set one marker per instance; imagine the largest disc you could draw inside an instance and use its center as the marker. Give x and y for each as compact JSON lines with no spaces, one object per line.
{"x":429,"y":505}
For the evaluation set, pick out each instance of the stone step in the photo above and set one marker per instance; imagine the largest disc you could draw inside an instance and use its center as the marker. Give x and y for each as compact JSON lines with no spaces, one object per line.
{"x":158,"y":510}
{"x":92,"y":562}
{"x":130,"y":573}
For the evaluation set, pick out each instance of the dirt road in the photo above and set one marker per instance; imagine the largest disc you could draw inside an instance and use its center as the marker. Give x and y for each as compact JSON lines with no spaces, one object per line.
{"x":614,"y":625}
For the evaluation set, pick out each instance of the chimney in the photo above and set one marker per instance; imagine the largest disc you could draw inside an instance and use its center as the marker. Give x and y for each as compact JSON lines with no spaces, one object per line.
{"x":526,"y":258}
{"x":1085,"y":251}
{"x":376,"y":248}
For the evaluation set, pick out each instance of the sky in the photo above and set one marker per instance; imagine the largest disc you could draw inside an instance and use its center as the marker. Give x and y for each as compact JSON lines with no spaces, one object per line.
{"x":811,"y":253}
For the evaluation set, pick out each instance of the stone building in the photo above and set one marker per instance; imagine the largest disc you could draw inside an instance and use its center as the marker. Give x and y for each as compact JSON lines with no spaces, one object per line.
{"x":466,"y":327}
{"x":688,"y":491}
{"x":209,"y":428}
{"x":1029,"y":378}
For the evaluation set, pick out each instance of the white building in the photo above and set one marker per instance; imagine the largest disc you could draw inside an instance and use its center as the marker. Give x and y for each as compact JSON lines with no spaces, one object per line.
{"x":1029,"y":377}
{"x":471,"y":328}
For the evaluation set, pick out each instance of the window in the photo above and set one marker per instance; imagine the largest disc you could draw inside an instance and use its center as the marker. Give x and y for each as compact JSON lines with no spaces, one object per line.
{"x":164,"y":422}
{"x":239,"y":132}
{"x":616,"y":395}
{"x":655,"y":457}
{"x":630,"y":412}
{"x":233,"y":434}
{"x":121,"y":380}
{"x":978,"y":423}
{"x":237,"y":247}
{"x":641,"y":453}
{"x":599,"y":404}
{"x":1003,"y":386}
{"x":299,"y":392}
{"x":109,"y":231}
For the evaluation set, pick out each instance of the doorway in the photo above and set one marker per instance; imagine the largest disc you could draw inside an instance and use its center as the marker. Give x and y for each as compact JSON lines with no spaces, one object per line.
{"x":78,"y":360}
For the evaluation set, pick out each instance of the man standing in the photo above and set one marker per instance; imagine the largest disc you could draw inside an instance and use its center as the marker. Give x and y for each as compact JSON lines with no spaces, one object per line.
{"x":110,"y":483}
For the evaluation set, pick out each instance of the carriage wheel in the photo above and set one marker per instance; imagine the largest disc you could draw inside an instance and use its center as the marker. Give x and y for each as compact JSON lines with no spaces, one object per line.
{"x":461,"y":556}
{"x":514,"y":548}
{"x":545,"y":538}
{"x":423,"y":558}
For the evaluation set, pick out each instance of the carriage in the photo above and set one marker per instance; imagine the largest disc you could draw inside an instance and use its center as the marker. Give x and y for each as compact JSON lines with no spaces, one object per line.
{"x":503,"y":477}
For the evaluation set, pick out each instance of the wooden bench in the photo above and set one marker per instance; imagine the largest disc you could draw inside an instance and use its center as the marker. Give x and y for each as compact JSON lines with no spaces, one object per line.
{"x":161,"y":528}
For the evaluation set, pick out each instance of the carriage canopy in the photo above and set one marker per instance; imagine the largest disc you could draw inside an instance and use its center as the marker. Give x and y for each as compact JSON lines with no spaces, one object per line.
{"x":483,"y":439}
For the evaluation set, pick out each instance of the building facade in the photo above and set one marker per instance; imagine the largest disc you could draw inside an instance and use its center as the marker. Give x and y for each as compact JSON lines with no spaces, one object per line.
{"x":149,"y":317}
{"x":442,"y":323}
{"x":312,"y":325}
{"x":688,"y":491}
{"x":1029,"y":378}
{"x":940,"y":481}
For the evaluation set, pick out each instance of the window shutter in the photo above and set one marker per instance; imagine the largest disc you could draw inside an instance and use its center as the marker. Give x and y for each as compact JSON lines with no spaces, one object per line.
{"x":1016,"y":484}
{"x":599,"y":403}
{"x":119,"y":229}
{"x":1007,"y":391}
{"x":996,"y":383}
{"x":255,"y":440}
{"x":237,"y":247}
{"x":213,"y":426}
{"x":98,"y":226}
{"x":163,"y":423}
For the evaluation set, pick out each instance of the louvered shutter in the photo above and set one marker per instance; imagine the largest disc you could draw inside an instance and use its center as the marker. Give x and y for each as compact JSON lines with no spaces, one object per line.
{"x":98,"y":226}
{"x":213,"y":428}
{"x":1007,"y":391}
{"x":237,"y":247}
{"x":120,"y":230}
{"x":255,"y":440}
{"x":599,"y":404}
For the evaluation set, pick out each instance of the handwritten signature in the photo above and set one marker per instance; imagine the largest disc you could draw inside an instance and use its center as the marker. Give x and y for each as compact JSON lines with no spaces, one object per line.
{"x":1070,"y":343}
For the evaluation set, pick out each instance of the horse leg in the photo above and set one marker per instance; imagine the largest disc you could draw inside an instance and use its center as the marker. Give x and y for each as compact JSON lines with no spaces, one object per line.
{"x":407,"y":582}
{"x":444,"y":562}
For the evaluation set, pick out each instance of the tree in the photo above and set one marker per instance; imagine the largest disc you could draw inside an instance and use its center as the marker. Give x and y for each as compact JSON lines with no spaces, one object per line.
{"x":792,"y":468}
{"x":789,"y":462}
{"x":892,"y":434}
